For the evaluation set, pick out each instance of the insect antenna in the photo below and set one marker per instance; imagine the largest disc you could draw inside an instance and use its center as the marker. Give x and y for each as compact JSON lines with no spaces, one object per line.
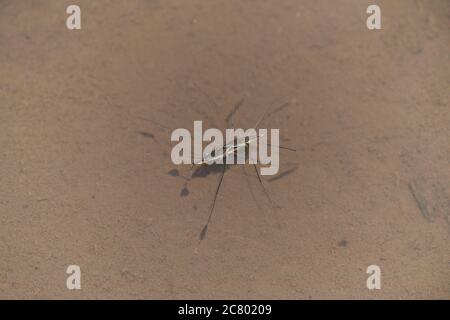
{"x":205,"y":228}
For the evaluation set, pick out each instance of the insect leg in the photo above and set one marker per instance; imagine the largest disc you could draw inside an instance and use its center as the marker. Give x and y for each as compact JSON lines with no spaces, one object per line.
{"x":284,"y":148}
{"x":250,"y":187}
{"x":205,"y":228}
{"x":262,"y":185}
{"x":229,"y":118}
{"x":267,"y":113}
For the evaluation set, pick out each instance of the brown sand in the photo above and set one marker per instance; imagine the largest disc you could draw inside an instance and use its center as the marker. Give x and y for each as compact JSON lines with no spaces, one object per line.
{"x":84,"y":177}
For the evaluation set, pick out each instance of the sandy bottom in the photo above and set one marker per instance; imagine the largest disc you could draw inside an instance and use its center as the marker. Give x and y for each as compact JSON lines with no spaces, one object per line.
{"x":86,"y":176}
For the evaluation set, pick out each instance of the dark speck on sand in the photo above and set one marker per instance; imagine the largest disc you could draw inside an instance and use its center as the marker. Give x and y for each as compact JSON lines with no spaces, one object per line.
{"x":147,"y":135}
{"x":184,"y":192}
{"x":343,"y":243}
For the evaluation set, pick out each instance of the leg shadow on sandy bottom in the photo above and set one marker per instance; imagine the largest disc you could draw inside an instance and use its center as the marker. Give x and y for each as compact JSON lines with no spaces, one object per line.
{"x":432,"y":196}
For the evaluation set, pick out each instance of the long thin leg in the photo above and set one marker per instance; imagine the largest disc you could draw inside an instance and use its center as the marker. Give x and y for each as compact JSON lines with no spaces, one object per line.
{"x":154,"y":122}
{"x":262,"y":185}
{"x":250,"y":187}
{"x":229,"y":119}
{"x":284,"y":148}
{"x":205,"y":228}
{"x":267,"y":113}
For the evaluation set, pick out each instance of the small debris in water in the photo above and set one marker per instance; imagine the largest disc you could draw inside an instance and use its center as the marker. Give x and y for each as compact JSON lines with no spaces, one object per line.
{"x":343,"y":243}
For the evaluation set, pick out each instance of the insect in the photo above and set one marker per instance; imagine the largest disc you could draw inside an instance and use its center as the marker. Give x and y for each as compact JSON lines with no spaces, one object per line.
{"x":222,"y":153}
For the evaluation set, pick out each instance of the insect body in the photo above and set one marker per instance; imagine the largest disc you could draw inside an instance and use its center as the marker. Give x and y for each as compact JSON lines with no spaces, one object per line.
{"x":219,"y":155}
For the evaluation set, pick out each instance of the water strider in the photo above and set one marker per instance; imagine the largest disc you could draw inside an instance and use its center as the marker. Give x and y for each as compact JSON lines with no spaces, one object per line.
{"x":215,"y":161}
{"x":219,"y":156}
